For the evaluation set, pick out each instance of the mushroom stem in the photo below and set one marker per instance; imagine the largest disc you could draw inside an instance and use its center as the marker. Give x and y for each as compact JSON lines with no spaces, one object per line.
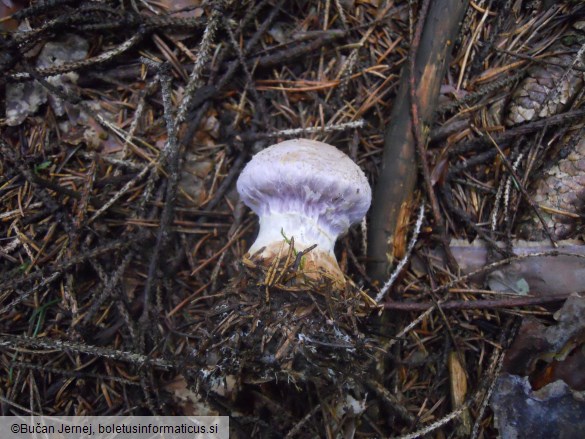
{"x":277,"y":227}
{"x":276,"y":231}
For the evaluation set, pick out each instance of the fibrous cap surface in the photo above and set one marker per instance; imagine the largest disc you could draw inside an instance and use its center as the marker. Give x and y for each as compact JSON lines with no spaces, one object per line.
{"x":307,"y":177}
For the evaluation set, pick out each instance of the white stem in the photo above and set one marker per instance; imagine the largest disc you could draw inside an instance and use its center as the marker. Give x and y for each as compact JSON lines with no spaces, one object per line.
{"x":275,"y":226}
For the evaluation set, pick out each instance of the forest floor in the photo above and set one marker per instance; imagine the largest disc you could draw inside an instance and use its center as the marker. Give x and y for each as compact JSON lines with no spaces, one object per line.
{"x":125,"y":126}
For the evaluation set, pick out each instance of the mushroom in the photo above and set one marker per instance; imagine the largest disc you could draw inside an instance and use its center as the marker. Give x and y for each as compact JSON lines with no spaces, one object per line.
{"x":306,"y":190}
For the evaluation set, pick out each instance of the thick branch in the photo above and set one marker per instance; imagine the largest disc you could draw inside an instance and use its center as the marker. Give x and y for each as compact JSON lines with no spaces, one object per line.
{"x":398,"y":175}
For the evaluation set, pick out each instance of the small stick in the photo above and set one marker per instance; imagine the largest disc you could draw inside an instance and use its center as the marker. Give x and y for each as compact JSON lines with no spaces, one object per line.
{"x":476,"y":304}
{"x":14,"y":341}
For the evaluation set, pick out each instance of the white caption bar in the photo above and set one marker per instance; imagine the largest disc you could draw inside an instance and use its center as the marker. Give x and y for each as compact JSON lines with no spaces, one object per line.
{"x":114,"y":427}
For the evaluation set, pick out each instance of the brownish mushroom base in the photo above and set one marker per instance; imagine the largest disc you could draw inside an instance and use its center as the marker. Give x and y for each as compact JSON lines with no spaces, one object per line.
{"x":309,"y":267}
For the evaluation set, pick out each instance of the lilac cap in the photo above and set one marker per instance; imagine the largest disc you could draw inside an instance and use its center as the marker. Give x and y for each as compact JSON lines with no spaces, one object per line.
{"x":311,"y":179}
